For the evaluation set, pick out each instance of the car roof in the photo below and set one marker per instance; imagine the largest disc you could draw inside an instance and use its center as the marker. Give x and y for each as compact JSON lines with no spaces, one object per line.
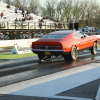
{"x":63,"y":32}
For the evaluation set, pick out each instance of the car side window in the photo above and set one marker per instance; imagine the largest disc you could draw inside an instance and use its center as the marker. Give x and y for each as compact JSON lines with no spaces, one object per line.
{"x":75,"y":35}
{"x":78,"y":35}
{"x":81,"y":35}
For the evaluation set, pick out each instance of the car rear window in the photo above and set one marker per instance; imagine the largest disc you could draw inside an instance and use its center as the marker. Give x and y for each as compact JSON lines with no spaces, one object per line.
{"x":54,"y":36}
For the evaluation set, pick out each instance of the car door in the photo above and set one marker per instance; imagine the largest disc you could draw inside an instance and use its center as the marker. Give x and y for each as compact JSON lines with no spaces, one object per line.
{"x":81,"y":40}
{"x":85,"y":42}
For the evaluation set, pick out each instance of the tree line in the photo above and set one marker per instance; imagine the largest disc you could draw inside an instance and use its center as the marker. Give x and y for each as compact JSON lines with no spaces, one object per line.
{"x":86,"y":11}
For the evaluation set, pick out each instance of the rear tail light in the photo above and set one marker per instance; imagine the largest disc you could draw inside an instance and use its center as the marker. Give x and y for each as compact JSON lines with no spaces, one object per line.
{"x":58,"y":47}
{"x":35,"y":47}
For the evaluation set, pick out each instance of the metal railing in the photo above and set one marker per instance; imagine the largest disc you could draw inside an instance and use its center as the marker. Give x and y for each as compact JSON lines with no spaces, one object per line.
{"x":32,"y":25}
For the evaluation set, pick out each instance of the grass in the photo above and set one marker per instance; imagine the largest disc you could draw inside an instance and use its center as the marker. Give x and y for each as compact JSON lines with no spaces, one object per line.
{"x":6,"y":56}
{"x":98,"y":45}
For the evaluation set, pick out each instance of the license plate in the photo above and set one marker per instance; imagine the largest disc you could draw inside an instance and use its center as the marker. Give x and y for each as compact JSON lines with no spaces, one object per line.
{"x":47,"y":53}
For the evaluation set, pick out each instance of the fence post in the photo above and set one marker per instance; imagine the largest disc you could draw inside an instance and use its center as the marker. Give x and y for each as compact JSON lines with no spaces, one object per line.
{"x":50,"y":25}
{"x":7,"y":25}
{"x":28,"y":25}
{"x":15,"y":24}
{"x":64,"y":25}
{"x":45,"y":25}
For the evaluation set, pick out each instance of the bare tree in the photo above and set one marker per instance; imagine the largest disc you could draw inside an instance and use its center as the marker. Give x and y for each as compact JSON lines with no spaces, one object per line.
{"x":50,"y":8}
{"x":24,"y":3}
{"x":59,"y":11}
{"x":67,"y":10}
{"x":17,"y":3}
{"x":34,"y":5}
{"x":8,"y":1}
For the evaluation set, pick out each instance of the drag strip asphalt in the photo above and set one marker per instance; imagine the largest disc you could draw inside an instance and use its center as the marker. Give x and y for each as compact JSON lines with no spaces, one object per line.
{"x":21,"y":72}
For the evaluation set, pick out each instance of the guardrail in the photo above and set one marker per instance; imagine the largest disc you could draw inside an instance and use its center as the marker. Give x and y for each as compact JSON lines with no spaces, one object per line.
{"x":32,"y":25}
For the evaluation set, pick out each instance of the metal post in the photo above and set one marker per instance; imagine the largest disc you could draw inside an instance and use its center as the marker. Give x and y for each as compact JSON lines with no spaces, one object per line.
{"x":73,"y":25}
{"x":22,"y":24}
{"x":34,"y":26}
{"x":50,"y":25}
{"x":15,"y":24}
{"x":28,"y":25}
{"x":64,"y":25}
{"x":45,"y":25}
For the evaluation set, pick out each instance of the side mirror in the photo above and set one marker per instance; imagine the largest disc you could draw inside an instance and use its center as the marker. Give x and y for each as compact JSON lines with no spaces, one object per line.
{"x":84,"y":35}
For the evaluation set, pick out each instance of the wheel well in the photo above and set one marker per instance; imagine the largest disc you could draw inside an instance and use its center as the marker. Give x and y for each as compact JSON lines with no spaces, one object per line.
{"x":96,"y":41}
{"x":73,"y":45}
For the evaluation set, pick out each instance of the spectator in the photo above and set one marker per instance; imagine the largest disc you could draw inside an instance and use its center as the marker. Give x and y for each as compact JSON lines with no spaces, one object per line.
{"x":23,"y":14}
{"x":92,"y":30}
{"x":44,"y":17}
{"x":16,"y":8}
{"x":16,"y":21}
{"x":96,"y":29}
{"x":40,"y":24}
{"x":23,"y":19}
{"x":26,"y":37}
{"x":28,"y":12}
{"x":2,"y":36}
{"x":32,"y":18}
{"x":5,"y":37}
{"x":20,"y":19}
{"x":23,"y":11}
{"x":8,"y":6}
{"x":20,"y":22}
{"x":2,"y":14}
{"x":20,"y":8}
{"x":55,"y":25}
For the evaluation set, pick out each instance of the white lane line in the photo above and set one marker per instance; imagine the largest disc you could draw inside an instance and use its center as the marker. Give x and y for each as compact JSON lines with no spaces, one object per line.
{"x":71,"y":98}
{"x":50,"y":85}
{"x":43,"y":79}
{"x":57,"y":86}
{"x":98,"y":94}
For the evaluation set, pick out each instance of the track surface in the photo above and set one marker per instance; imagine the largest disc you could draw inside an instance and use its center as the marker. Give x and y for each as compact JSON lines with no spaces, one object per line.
{"x":10,"y":75}
{"x":21,"y":72}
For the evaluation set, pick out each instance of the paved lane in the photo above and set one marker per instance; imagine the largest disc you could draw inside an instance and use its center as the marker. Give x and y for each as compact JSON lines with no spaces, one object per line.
{"x":14,"y":74}
{"x":5,"y":49}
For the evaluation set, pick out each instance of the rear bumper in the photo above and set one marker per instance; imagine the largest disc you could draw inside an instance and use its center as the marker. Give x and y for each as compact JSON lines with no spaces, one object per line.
{"x":41,"y":50}
{"x":53,"y":52}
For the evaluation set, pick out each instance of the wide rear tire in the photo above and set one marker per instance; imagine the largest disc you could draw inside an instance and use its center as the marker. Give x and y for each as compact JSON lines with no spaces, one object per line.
{"x":72,"y":56}
{"x":94,"y":49}
{"x":42,"y":56}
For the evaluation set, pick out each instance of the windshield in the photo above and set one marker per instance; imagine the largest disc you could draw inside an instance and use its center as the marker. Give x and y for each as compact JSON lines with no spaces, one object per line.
{"x":54,"y":36}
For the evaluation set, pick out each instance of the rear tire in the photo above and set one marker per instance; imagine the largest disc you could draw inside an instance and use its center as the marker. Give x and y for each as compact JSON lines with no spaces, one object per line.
{"x":72,"y":56}
{"x":94,"y":49}
{"x":41,"y":56}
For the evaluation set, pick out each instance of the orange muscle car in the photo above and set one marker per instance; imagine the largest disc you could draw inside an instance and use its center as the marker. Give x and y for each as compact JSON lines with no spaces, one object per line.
{"x":66,"y":43}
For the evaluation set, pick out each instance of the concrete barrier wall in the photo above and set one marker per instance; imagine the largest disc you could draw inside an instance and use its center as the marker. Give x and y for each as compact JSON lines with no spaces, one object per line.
{"x":7,"y":43}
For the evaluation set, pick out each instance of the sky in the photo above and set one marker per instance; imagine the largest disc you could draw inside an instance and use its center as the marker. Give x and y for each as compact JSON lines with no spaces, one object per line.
{"x":42,"y":1}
